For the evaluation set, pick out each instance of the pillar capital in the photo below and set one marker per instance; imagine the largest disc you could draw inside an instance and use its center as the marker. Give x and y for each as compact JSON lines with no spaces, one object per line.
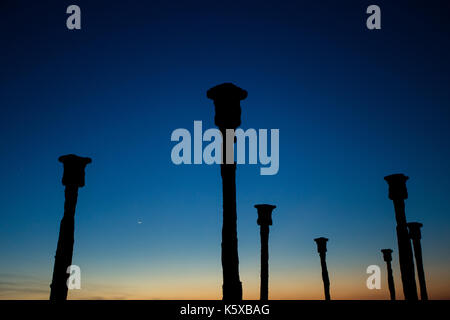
{"x":321,"y":244}
{"x":387,"y":254}
{"x":414,"y":230}
{"x":74,"y":169}
{"x":227,"y":97}
{"x":397,"y":186}
{"x":264,"y":214}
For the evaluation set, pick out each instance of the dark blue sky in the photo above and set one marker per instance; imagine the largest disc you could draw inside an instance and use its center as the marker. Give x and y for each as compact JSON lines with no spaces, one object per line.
{"x":352,"y":106}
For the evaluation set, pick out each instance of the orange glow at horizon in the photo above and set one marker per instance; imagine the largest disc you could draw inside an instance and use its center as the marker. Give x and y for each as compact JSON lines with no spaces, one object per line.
{"x":281,"y":287}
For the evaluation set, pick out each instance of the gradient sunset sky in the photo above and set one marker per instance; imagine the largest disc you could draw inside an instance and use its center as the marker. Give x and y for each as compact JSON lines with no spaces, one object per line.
{"x":352,"y":106}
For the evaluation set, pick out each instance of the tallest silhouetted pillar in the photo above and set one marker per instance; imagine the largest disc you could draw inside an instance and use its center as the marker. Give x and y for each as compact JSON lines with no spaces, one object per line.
{"x":73,"y":178}
{"x":227,"y":99}
{"x":398,"y":194}
{"x":416,"y":235}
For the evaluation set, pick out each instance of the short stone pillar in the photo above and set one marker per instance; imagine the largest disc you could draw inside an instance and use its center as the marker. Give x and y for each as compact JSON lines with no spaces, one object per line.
{"x":73,"y":178}
{"x":264,"y":221}
{"x":322,"y":249}
{"x":387,"y":257}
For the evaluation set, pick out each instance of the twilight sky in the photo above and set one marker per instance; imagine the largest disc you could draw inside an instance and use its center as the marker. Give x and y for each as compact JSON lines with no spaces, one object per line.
{"x":352,"y":106}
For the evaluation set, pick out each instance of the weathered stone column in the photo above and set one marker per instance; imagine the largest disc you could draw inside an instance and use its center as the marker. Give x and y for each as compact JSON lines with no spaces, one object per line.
{"x":398,"y":194}
{"x":226,"y":99}
{"x":415,"y":235}
{"x":387,"y":256}
{"x":264,"y":221}
{"x":73,"y":178}
{"x":322,"y":249}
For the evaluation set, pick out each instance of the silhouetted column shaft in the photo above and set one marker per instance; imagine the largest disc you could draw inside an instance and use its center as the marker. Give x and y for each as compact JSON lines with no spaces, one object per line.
{"x":390,"y":280}
{"x":322,"y":249}
{"x":232,"y":286}
{"x":397,"y":193}
{"x":420,"y":271}
{"x":405,"y":253}
{"x":415,"y":234}
{"x":73,"y":178}
{"x":64,"y":251}
{"x":325,"y":278}
{"x":264,"y":289}
{"x":387,"y":255}
{"x":226,"y":99}
{"x":264,"y":221}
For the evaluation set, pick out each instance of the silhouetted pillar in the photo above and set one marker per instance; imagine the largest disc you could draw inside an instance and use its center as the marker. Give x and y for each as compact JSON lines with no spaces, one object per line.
{"x":415,"y":235}
{"x":398,"y":194}
{"x":226,"y":99}
{"x":73,"y":178}
{"x":387,"y":256}
{"x":264,"y":221}
{"x":322,"y":249}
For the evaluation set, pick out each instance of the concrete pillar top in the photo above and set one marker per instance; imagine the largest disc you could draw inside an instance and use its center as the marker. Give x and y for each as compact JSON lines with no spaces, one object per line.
{"x":264,"y":214}
{"x":397,"y":186}
{"x":74,"y":169}
{"x":387,"y":254}
{"x":227,"y":97}
{"x":321,"y":244}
